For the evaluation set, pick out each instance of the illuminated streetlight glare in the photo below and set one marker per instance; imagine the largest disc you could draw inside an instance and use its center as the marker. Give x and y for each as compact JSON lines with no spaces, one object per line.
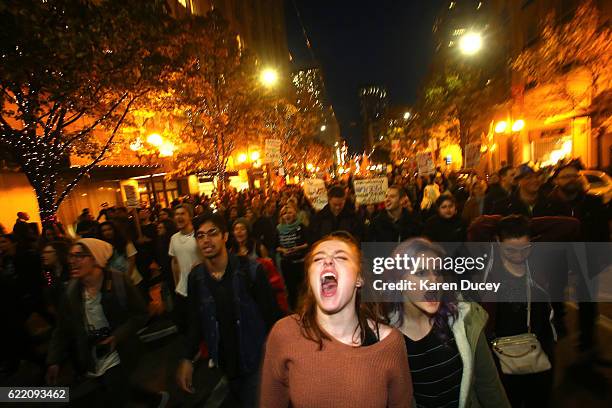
{"x":166,"y":149}
{"x":518,"y":125}
{"x":155,"y":139}
{"x":136,"y":145}
{"x":254,"y":156}
{"x":406,"y":115}
{"x":323,"y":128}
{"x":269,"y":77}
{"x":500,"y":127}
{"x":470,"y":43}
{"x":242,"y":158}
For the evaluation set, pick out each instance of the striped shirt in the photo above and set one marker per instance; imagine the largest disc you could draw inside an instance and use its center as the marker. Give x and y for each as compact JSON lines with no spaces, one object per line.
{"x":436,"y":368}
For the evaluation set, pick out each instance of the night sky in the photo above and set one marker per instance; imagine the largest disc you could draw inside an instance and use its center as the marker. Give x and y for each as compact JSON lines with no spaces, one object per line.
{"x":358,"y":42}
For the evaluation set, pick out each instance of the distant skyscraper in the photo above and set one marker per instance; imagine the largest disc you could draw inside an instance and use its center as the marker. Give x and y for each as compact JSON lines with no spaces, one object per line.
{"x":310,"y":95}
{"x":310,"y":90}
{"x":373,"y":103}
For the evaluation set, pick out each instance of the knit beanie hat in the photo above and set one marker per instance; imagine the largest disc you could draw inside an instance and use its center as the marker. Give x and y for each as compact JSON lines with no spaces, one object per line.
{"x":100,"y":250}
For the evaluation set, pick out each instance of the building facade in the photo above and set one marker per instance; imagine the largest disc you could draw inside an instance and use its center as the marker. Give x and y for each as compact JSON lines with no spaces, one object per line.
{"x":542,"y":122}
{"x":373,"y":104}
{"x":310,"y":95}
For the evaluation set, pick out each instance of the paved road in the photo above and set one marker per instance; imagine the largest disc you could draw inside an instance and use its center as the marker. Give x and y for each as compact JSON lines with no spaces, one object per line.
{"x":574,"y":386}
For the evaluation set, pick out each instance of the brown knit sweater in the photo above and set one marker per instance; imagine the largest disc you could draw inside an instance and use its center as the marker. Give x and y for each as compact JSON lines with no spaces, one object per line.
{"x":296,"y":372}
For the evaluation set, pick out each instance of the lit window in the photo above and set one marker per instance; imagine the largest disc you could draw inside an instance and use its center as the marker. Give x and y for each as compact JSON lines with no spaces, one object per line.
{"x":451,"y":5}
{"x":183,"y":3}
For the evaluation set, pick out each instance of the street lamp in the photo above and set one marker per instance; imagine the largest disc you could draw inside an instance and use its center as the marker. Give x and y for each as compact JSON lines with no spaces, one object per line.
{"x":155,"y":139}
{"x":269,"y":77}
{"x":500,"y":127}
{"x":470,"y":43}
{"x":518,"y":125}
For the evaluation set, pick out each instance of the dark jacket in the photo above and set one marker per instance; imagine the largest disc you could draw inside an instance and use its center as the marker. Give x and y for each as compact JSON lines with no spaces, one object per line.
{"x":384,"y":229}
{"x":590,"y":210}
{"x":511,"y":205}
{"x":439,"y":229}
{"x":324,"y":223}
{"x":495,"y":193}
{"x":264,"y":230}
{"x":255,"y":308}
{"x":124,"y":309}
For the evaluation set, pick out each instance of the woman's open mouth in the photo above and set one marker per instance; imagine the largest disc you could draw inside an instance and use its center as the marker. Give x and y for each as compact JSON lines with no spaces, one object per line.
{"x":329,"y":284}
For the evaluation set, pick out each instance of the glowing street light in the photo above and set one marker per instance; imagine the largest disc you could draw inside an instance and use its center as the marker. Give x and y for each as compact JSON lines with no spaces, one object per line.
{"x":136,"y":145}
{"x":503,"y":126}
{"x":518,"y":125}
{"x":155,"y":139}
{"x":406,"y":115}
{"x":323,"y":128}
{"x":269,"y":77}
{"x":254,"y":156}
{"x":242,"y":157}
{"x":500,"y":127}
{"x":166,"y":149}
{"x":470,"y":43}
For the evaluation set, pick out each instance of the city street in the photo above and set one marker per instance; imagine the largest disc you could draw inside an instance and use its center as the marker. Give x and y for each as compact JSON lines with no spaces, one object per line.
{"x":209,"y":166}
{"x":574,"y":386}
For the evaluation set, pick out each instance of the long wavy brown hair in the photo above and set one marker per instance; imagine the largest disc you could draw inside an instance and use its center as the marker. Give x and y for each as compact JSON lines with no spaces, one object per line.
{"x":307,"y":313}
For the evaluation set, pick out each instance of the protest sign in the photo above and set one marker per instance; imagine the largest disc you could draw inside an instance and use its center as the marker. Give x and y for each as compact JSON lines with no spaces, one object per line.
{"x":272,"y":152}
{"x":370,"y":191}
{"x":315,"y":191}
{"x":131,"y":198}
{"x":425,"y":163}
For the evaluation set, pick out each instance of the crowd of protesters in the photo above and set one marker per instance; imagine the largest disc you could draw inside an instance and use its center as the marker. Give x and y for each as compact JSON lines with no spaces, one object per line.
{"x":228,"y":269}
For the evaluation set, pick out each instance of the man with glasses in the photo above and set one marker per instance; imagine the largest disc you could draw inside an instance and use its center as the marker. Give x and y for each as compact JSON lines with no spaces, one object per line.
{"x":231,"y":308}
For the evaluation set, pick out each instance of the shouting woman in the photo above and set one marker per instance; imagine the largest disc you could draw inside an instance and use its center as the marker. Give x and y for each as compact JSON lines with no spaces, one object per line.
{"x":335,"y":352}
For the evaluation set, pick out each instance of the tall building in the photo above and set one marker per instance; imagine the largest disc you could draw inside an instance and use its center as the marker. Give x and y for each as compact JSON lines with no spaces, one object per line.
{"x":310,"y":95}
{"x":373,"y":101}
{"x":259,"y":24}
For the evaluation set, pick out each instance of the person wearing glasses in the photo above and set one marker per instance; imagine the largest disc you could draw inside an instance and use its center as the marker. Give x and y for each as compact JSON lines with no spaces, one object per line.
{"x":98,"y":321}
{"x":231,"y":309}
{"x":520,"y":306}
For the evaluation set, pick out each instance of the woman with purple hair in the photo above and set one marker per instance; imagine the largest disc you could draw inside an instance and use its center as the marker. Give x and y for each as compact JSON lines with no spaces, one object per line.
{"x":449,"y":358}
